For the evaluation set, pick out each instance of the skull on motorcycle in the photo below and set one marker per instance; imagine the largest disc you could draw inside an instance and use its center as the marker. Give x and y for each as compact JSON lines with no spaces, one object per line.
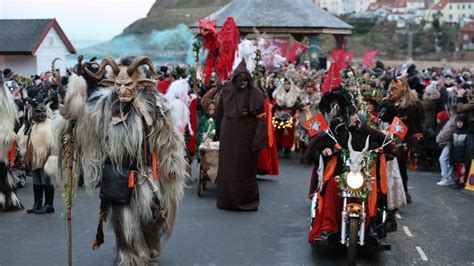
{"x":127,"y":77}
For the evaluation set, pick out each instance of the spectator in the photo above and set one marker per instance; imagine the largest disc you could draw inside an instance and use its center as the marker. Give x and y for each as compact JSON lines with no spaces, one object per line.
{"x":443,"y":139}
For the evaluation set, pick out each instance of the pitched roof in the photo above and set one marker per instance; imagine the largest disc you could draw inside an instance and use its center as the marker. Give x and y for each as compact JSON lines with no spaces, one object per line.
{"x":24,"y":36}
{"x":278,"y":14}
{"x":379,"y":5}
{"x":440,"y":5}
{"x":468,"y":27}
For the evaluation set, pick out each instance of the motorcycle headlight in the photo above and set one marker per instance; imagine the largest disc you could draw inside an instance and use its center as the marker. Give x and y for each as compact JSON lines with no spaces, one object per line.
{"x":355,"y":180}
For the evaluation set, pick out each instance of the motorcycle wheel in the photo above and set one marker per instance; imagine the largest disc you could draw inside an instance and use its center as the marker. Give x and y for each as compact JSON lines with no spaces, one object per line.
{"x":353,"y":236}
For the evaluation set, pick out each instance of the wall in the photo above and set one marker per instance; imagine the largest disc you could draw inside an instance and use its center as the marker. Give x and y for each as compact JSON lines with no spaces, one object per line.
{"x":2,"y":62}
{"x":23,"y":65}
{"x":52,"y":47}
{"x":454,"y":12}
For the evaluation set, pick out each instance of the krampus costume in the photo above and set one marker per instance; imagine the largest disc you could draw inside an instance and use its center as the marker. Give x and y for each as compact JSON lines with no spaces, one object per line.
{"x":404,"y":103}
{"x":36,"y":146}
{"x":350,"y":132}
{"x":8,"y":117}
{"x":126,"y":142}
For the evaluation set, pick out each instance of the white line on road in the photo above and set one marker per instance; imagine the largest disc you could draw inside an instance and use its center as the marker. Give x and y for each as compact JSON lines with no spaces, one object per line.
{"x":422,"y":253}
{"x":397,"y":214}
{"x":410,"y":187}
{"x":407,"y":231}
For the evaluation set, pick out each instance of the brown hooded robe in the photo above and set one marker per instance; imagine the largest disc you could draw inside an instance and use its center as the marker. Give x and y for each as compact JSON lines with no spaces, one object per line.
{"x":242,"y":133}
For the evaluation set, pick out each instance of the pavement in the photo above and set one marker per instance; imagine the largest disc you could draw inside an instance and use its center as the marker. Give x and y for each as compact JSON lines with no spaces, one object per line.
{"x":436,"y":229}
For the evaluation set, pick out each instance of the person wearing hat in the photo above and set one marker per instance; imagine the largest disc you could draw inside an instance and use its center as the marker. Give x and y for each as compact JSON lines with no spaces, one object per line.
{"x":459,"y":150}
{"x":9,"y":80}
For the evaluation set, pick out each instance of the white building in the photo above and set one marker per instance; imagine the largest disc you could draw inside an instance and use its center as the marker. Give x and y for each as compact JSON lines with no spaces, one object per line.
{"x":343,"y":7}
{"x":28,"y":46}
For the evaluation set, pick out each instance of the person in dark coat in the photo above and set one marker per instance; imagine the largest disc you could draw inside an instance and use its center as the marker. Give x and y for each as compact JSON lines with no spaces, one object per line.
{"x":242,"y":133}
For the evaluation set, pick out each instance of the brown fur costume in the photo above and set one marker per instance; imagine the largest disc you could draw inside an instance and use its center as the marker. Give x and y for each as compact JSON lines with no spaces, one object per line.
{"x":126,"y":134}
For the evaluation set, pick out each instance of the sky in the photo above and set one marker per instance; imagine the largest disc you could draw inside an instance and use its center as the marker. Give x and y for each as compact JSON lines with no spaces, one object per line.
{"x":81,"y":20}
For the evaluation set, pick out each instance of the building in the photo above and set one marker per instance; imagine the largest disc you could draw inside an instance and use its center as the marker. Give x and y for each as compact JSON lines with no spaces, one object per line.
{"x":454,"y":11}
{"x":466,"y":36}
{"x":28,"y":46}
{"x":344,"y":7}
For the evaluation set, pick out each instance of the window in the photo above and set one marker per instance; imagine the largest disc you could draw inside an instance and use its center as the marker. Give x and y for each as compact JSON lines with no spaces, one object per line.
{"x":463,"y":7}
{"x":450,"y":6}
{"x":469,"y":6}
{"x":450,"y":17}
{"x":466,"y":37}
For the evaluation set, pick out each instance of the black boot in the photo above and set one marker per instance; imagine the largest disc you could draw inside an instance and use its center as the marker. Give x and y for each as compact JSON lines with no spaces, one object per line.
{"x":48,"y":201}
{"x":38,"y":195}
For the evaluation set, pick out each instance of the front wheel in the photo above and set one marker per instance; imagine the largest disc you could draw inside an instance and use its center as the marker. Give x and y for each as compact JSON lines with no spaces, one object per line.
{"x":353,"y":236}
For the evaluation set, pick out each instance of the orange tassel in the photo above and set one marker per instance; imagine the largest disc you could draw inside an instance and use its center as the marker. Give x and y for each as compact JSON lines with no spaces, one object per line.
{"x":154,"y":165}
{"x":372,"y":201}
{"x":131,"y":179}
{"x":338,"y":147}
{"x":11,"y":155}
{"x":383,"y":174}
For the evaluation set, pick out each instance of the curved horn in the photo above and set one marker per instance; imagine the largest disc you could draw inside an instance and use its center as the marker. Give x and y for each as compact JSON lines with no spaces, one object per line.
{"x":107,"y":61}
{"x":142,"y":60}
{"x":367,"y":141}
{"x":349,"y":143}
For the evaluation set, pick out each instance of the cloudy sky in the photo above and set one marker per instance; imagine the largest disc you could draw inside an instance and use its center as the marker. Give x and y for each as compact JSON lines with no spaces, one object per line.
{"x":82,"y":20}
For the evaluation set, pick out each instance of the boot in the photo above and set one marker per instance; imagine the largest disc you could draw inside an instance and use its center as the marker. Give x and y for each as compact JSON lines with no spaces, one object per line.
{"x":38,"y":195}
{"x":48,"y":201}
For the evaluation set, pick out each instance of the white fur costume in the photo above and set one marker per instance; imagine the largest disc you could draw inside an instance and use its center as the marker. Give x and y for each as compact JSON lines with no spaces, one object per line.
{"x":8,"y":116}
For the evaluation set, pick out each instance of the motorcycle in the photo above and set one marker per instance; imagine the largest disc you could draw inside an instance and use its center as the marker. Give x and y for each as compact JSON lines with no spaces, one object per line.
{"x":356,"y":185}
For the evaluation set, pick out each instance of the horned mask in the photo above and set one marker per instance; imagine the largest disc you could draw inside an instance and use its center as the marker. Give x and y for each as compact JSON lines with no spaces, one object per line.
{"x":126,"y":79}
{"x":357,"y":159}
{"x":39,"y":107}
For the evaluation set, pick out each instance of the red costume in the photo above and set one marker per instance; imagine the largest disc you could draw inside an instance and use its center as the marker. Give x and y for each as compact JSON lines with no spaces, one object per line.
{"x":268,"y":157}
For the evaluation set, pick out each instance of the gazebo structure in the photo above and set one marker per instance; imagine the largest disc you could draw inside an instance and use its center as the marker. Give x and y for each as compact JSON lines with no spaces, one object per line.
{"x":298,"y":18}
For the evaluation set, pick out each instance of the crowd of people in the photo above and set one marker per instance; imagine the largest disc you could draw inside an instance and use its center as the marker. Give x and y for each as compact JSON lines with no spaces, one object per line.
{"x":295,"y":92}
{"x":255,"y":115}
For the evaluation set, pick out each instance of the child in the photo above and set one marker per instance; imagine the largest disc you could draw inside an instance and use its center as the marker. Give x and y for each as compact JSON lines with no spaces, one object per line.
{"x":203,"y":123}
{"x":459,"y":152}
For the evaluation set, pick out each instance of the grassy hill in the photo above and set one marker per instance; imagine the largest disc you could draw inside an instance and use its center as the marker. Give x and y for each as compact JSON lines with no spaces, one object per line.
{"x":165,"y":14}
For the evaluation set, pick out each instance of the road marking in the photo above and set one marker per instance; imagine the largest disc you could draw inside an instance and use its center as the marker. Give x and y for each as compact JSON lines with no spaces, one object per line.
{"x":410,"y":187}
{"x":422,"y":253}
{"x":407,"y":231}
{"x":397,"y":214}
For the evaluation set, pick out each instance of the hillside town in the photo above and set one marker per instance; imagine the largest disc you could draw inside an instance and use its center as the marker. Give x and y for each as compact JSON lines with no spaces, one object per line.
{"x":237,"y":132}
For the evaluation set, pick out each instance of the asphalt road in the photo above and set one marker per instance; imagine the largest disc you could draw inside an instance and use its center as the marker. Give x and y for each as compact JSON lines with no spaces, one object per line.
{"x":436,"y":229}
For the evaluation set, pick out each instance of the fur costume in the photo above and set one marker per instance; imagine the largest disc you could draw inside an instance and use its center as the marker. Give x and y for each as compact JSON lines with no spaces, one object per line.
{"x":130,"y":134}
{"x":8,"y":116}
{"x":286,"y":99}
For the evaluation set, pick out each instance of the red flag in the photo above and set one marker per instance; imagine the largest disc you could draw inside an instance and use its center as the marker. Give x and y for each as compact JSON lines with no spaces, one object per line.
{"x":338,"y":58}
{"x":347,"y":59}
{"x":296,"y":51}
{"x":316,"y":124}
{"x":398,"y":128}
{"x":333,"y":78}
{"x":369,"y":57}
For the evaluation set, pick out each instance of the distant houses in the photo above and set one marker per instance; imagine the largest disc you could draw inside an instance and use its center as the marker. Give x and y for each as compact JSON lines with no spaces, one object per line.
{"x":28,"y":46}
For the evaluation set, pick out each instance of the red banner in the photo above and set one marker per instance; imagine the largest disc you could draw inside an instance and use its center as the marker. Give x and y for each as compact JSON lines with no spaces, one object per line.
{"x":296,"y":51}
{"x":333,"y":79}
{"x":347,"y":59}
{"x":369,"y":57}
{"x":338,"y":58}
{"x":398,"y":128}
{"x":282,"y":43}
{"x":316,"y":124}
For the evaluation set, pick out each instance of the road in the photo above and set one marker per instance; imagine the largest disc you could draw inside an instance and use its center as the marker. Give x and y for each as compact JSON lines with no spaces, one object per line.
{"x":436,"y":229}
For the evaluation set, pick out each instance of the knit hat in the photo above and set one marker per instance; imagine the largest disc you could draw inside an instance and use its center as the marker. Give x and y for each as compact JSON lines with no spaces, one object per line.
{"x":442,"y":116}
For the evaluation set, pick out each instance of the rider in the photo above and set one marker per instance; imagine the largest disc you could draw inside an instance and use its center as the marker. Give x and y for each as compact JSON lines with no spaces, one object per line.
{"x":328,"y":218}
